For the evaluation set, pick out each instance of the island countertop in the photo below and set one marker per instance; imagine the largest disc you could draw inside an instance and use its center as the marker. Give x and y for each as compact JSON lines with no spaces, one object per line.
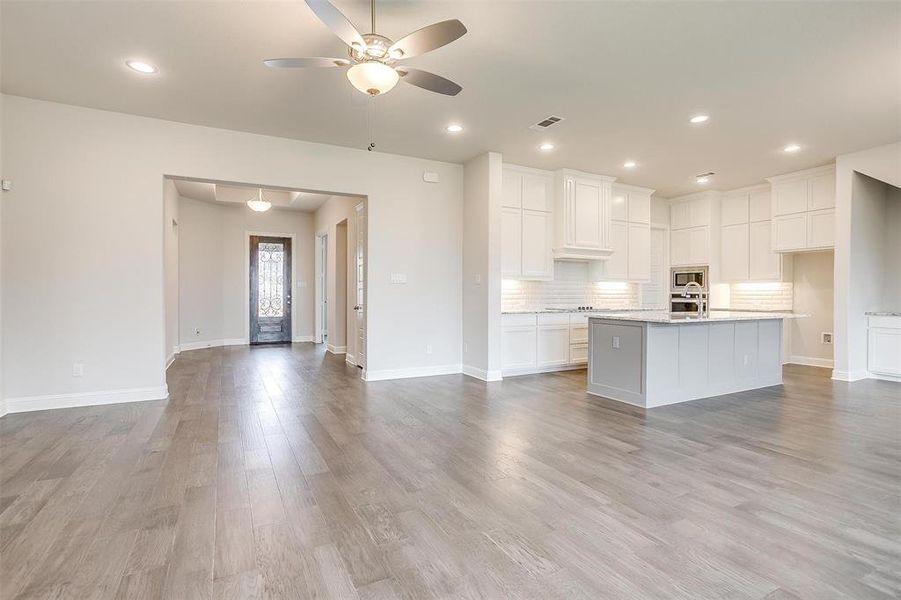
{"x":690,"y":317}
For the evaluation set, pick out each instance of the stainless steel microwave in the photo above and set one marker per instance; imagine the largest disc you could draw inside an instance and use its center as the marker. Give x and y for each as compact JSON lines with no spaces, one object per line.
{"x":682,"y":276}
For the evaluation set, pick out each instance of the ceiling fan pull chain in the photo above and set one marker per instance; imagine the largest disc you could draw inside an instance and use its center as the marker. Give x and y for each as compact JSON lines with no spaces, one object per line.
{"x":369,"y":118}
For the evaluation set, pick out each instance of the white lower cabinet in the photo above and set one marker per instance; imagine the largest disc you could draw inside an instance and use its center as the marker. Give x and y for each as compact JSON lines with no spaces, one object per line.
{"x":553,"y":345}
{"x":544,"y":342}
{"x":518,"y":342}
{"x":884,"y":346}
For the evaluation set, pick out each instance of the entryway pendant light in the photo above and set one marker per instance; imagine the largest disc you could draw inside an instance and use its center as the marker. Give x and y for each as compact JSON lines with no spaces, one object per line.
{"x":258,"y":204}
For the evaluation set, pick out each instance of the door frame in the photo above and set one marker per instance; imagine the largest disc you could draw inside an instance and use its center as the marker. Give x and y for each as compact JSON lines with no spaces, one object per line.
{"x":361,"y":240}
{"x":293,"y":238}
{"x":320,"y":321}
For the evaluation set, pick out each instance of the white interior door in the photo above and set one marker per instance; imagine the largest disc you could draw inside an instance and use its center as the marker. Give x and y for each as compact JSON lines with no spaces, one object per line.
{"x":360,"y":279}
{"x":322,"y":285}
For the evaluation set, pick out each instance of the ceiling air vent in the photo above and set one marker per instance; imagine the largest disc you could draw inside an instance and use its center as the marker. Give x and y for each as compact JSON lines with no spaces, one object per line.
{"x":545,"y":123}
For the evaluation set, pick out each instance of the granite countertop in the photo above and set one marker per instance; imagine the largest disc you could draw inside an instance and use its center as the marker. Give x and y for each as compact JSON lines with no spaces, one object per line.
{"x":539,"y":311}
{"x":882,"y":313}
{"x":715,"y":315}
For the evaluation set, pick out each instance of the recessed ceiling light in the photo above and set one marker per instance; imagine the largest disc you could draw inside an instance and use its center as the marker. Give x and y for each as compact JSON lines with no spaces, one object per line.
{"x":546,"y":147}
{"x":703,"y":179}
{"x":630,"y":164}
{"x":454,"y":128}
{"x":141,"y":67}
{"x":699,"y":119}
{"x":791,"y":148}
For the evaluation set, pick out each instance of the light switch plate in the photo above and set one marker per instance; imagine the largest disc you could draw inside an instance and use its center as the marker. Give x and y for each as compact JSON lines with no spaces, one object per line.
{"x":430,"y":177}
{"x":6,"y":185}
{"x":616,"y":342}
{"x":398,"y":278}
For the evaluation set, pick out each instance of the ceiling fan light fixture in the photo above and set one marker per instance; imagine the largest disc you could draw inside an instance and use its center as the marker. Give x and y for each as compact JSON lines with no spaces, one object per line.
{"x":373,"y":77}
{"x":258,"y":204}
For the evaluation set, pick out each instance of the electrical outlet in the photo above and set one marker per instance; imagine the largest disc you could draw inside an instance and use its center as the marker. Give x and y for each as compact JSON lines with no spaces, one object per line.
{"x":616,"y":342}
{"x":826,"y":337}
{"x":745,"y":360}
{"x":197,"y":331}
{"x":428,"y":349}
{"x":77,"y":369}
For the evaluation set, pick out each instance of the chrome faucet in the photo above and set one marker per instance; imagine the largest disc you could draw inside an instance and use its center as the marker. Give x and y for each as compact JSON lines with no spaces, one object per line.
{"x":699,"y":299}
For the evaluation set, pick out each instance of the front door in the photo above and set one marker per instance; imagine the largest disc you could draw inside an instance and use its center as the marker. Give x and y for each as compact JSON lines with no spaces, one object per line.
{"x":270,"y":289}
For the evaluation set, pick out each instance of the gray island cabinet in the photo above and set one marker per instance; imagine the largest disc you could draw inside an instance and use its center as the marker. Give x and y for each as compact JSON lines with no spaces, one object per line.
{"x":655,"y":358}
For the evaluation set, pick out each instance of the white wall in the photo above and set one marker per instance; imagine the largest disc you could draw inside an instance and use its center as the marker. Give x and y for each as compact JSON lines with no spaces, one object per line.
{"x":213,"y":270}
{"x":95,"y":288}
{"x":170,"y":251}
{"x":857,"y":222}
{"x":812,"y":295}
{"x":891,"y":258}
{"x":482,"y":267}
{"x":339,"y":210}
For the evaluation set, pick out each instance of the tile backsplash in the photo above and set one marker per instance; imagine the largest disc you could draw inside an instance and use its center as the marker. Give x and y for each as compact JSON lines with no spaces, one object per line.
{"x":761,"y":296}
{"x":569,"y":289}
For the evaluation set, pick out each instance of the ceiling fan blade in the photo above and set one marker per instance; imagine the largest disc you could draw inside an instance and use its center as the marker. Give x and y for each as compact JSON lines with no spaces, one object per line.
{"x":302,"y":63}
{"x":337,"y":22}
{"x":428,"y":38}
{"x":429,"y":81}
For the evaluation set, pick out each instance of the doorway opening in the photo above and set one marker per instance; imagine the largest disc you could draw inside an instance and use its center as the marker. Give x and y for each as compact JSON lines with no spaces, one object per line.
{"x":247,"y":264}
{"x":270,"y":287}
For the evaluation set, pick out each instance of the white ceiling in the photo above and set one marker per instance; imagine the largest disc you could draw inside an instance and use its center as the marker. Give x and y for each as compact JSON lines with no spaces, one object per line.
{"x":206,"y":191}
{"x":625,"y":75}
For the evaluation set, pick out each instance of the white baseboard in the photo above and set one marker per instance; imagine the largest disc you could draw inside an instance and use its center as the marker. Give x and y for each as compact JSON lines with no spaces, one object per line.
{"x":337,"y":349}
{"x":303,"y":338}
{"x":885,"y":377}
{"x":350,"y":359}
{"x":811,"y":361}
{"x":481,"y":373}
{"x":169,"y":360}
{"x":411,"y":372}
{"x":30,"y":403}
{"x":539,"y":370}
{"x":2,"y":407}
{"x":849,"y":375}
{"x":211,"y":344}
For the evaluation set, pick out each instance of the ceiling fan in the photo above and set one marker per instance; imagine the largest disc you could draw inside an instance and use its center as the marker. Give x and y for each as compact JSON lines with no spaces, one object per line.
{"x":373,"y":58}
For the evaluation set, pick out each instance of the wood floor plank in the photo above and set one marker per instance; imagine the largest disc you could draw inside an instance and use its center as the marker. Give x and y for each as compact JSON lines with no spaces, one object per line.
{"x":277,"y":473}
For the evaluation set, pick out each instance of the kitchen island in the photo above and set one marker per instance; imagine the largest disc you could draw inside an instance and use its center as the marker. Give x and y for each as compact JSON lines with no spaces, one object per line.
{"x":656,"y":358}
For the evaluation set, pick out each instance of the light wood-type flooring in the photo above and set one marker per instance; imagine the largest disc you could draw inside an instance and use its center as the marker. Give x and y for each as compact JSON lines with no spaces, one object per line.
{"x":276,"y":473}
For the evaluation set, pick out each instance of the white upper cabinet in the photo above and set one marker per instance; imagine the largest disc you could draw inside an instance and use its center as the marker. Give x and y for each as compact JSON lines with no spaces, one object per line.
{"x":735,"y":209}
{"x":735,"y":252}
{"x":790,"y":197}
{"x":763,"y":263}
{"x":639,"y":252}
{"x":619,"y":204}
{"x":582,"y":216}
{"x":630,"y":235}
{"x":680,"y":217}
{"x":803,"y":206}
{"x":759,"y":206}
{"x":617,"y":267}
{"x":536,"y":192}
{"x":745,"y":252}
{"x":690,"y":222}
{"x":537,"y":262}
{"x":526,"y":224}
{"x":512,"y":189}
{"x":511,"y":243}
